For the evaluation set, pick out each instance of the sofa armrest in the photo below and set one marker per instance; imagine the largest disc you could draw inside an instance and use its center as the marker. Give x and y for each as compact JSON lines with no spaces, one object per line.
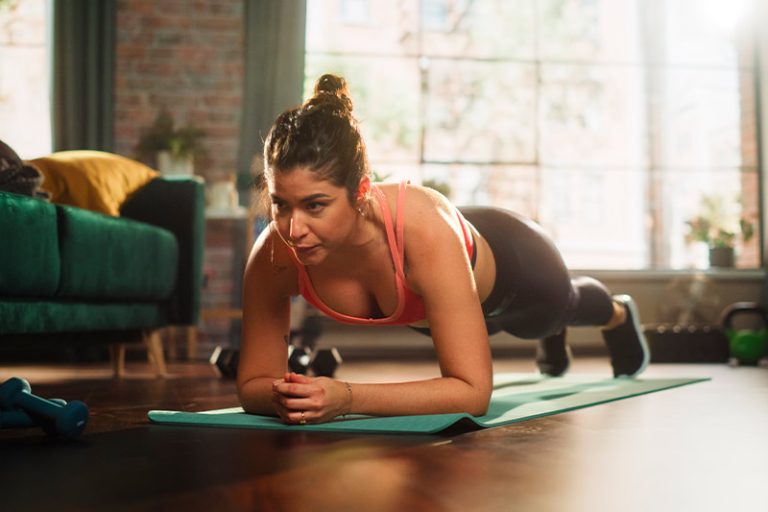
{"x":29,"y":247}
{"x":178,"y":205}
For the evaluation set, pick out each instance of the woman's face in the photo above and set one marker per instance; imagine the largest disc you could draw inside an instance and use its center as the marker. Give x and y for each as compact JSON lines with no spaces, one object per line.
{"x":313,"y":215}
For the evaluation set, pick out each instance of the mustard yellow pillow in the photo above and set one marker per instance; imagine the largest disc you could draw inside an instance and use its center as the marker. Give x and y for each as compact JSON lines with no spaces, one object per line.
{"x":93,"y":180}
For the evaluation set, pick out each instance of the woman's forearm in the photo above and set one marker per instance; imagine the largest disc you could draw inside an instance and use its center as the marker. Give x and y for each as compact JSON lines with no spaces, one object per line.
{"x":436,"y":396}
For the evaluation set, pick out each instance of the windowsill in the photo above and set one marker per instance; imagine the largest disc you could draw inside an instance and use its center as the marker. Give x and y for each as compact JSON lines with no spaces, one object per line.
{"x":720,"y":274}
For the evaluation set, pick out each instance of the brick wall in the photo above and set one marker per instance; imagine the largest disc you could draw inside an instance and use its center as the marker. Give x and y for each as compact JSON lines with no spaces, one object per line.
{"x":186,"y":56}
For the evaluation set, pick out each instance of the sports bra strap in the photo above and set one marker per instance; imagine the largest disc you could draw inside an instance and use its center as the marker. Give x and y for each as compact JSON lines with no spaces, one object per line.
{"x":400,"y":221}
{"x":395,"y":246}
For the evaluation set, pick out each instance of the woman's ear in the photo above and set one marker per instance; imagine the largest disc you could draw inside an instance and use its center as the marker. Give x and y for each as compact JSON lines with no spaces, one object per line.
{"x":364,"y":188}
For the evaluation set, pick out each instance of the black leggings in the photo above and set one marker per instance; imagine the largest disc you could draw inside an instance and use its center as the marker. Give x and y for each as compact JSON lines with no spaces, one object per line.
{"x":534,"y":295}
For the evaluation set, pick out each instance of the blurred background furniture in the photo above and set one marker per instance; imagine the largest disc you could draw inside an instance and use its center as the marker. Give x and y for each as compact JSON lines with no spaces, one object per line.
{"x":72,"y":275}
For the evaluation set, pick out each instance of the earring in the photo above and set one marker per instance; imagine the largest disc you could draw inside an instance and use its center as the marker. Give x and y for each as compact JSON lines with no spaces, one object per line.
{"x":361,"y":200}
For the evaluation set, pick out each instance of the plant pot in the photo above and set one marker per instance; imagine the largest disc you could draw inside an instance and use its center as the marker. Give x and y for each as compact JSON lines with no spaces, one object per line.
{"x":169,"y":164}
{"x":222,"y":197}
{"x":722,"y":257}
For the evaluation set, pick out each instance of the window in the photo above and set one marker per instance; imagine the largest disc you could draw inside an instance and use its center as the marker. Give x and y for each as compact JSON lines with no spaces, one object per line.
{"x":25,"y":119}
{"x":612,"y":123}
{"x":354,"y":11}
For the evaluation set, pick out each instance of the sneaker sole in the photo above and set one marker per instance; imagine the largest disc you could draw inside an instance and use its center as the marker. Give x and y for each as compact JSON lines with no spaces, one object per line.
{"x":565,"y":370}
{"x":630,"y":304}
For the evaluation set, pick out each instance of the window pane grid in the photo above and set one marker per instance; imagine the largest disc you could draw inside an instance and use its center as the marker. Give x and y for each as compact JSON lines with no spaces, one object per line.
{"x":593,"y":117}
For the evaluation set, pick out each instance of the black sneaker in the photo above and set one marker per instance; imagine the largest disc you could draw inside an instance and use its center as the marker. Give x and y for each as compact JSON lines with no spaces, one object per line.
{"x":626,"y":343}
{"x":553,"y":355}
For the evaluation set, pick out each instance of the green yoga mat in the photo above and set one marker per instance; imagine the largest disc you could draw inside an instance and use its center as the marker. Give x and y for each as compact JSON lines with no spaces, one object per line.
{"x":515,"y":398}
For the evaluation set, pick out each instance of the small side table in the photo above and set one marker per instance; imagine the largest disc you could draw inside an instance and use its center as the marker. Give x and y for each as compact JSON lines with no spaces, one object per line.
{"x":228,"y":240}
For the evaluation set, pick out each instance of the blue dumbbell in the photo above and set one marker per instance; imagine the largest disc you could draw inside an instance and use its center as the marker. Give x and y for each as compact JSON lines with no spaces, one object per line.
{"x":16,"y":418}
{"x":68,"y":420}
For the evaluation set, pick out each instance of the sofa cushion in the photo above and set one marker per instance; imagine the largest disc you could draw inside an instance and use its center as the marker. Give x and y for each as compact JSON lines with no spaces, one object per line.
{"x":94,"y":180}
{"x":105,"y":257}
{"x":30,"y":316}
{"x":29,"y":254}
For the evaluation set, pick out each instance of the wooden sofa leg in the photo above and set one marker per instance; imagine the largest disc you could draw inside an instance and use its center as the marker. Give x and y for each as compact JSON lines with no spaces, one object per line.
{"x":154,"y":343}
{"x":191,"y":342}
{"x":117,"y":354}
{"x":171,"y":342}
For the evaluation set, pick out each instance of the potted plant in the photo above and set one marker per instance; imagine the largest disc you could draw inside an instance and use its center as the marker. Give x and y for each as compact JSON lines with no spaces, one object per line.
{"x":172,"y":149}
{"x":720,"y":228}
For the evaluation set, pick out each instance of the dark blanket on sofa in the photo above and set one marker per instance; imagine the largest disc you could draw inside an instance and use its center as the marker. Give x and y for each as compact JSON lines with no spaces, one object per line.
{"x":18,"y":177}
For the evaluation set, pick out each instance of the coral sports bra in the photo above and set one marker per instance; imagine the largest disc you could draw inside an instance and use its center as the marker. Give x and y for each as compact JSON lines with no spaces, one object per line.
{"x":410,"y":306}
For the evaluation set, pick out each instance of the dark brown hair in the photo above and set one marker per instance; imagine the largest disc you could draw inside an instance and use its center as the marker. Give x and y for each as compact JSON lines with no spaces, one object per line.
{"x":321,"y":135}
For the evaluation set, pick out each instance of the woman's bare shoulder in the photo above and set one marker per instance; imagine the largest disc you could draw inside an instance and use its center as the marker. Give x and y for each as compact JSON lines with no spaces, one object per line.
{"x":429,"y":216}
{"x":421,"y":203}
{"x":429,"y":198}
{"x":429,"y":213}
{"x":271,"y":264}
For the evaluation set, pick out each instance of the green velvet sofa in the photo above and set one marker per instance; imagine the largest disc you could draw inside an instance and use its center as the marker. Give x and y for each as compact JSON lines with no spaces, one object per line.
{"x":73,"y":275}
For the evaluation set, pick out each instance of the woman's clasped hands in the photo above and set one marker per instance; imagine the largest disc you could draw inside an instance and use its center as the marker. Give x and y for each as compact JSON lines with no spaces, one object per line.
{"x":299,"y":399}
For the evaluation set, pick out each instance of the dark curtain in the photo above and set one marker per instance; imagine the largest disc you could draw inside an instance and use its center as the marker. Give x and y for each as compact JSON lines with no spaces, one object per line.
{"x":83,"y":74}
{"x":274,"y":73}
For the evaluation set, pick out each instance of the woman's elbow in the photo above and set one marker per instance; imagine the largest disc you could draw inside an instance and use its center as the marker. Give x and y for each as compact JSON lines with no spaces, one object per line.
{"x":481,"y":409}
{"x":248,"y":404}
{"x":253,"y":399}
{"x":480,"y":402}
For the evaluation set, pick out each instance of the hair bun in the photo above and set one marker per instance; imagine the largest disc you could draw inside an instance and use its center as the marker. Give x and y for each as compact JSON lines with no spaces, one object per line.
{"x":335,"y":86}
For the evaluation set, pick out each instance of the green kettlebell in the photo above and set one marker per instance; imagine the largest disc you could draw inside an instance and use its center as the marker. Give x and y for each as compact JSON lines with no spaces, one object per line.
{"x":747,"y":346}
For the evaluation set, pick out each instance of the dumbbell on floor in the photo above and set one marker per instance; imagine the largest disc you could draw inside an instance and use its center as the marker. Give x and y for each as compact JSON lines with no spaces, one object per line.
{"x":225,"y":360}
{"x":68,"y":420}
{"x":301,"y":360}
{"x":321,"y":362}
{"x":16,"y":418}
{"x":325,"y":361}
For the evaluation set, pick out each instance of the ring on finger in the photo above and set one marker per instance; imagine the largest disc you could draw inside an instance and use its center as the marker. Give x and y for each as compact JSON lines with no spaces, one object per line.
{"x":303,"y":420}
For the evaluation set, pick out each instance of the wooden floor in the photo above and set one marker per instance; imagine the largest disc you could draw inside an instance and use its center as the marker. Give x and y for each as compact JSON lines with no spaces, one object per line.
{"x":698,"y":447}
